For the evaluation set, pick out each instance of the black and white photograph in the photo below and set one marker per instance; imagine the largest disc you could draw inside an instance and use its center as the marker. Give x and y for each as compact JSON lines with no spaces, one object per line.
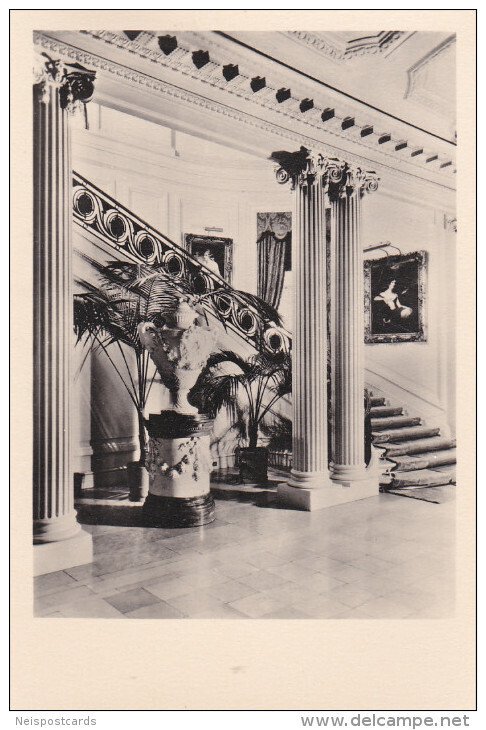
{"x":244,"y":292}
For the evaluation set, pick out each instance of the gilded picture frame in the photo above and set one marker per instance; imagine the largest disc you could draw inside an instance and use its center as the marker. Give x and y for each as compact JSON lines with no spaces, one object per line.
{"x":219,"y":260}
{"x":395,"y":294}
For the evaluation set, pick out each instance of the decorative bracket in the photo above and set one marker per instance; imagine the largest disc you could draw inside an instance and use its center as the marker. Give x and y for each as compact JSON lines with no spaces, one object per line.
{"x":75,"y":82}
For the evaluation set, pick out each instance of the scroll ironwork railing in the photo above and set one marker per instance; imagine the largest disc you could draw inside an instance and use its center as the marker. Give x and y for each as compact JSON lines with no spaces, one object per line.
{"x":114,"y":224}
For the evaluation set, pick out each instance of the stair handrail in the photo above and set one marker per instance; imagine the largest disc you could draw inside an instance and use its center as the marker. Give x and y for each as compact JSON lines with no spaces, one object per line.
{"x":109,"y":220}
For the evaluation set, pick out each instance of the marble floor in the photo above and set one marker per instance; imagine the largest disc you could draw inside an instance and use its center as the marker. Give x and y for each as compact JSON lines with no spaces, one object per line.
{"x":384,"y":557}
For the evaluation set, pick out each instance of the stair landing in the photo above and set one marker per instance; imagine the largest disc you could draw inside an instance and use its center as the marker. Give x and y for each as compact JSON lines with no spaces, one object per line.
{"x":418,"y":455}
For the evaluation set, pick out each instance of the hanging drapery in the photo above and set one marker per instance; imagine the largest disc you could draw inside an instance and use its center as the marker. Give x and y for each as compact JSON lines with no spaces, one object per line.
{"x":271,"y":267}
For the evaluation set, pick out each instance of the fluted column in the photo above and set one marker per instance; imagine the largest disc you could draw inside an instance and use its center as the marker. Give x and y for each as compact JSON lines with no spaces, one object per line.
{"x":346,"y":186}
{"x":58,"y":90}
{"x":310,"y":472}
{"x":310,"y":460}
{"x":315,"y":179}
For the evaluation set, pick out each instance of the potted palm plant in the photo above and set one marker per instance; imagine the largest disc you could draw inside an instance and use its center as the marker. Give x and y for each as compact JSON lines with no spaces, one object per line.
{"x":230,"y":381}
{"x":107,"y":318}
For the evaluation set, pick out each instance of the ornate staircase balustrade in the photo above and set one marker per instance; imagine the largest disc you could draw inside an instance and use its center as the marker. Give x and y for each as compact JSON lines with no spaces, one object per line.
{"x":106,"y":218}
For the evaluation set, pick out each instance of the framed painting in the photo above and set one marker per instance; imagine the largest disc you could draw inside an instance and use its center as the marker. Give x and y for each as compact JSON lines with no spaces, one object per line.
{"x":395,"y":297}
{"x":214,"y":252}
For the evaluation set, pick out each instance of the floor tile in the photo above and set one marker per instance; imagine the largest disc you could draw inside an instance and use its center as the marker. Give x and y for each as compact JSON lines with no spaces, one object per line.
{"x":319,"y":583}
{"x":155,"y":610}
{"x":54,"y":614}
{"x":263,"y":580}
{"x":166,"y":589}
{"x":290,"y":593}
{"x":230,"y":591}
{"x":350,"y":595}
{"x":287,"y":613}
{"x":370,"y":564}
{"x":53,"y":601}
{"x":224,"y":611}
{"x":345,"y":573}
{"x":320,"y":564}
{"x":353,"y":613}
{"x":257,"y":605}
{"x":384,"y":609}
{"x":203,"y":578}
{"x":194,"y":603}
{"x":236,"y":570}
{"x":266,"y":559}
{"x":320,"y":607}
{"x":131,"y":600}
{"x":291,"y":571}
{"x":91,"y":608}
{"x":52,"y":582}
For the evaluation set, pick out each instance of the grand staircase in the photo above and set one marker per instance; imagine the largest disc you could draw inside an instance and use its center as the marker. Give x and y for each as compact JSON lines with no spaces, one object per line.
{"x":417,"y":454}
{"x":135,"y":240}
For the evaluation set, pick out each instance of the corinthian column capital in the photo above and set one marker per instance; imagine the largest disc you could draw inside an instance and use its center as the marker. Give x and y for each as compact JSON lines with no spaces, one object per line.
{"x":74,"y":82}
{"x":299,"y":168}
{"x":339,"y":179}
{"x":344,"y":180}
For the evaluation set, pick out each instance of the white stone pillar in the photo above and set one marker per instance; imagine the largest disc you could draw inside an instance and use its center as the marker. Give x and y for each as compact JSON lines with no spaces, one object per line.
{"x":313,"y":178}
{"x":346,"y":186}
{"x":310,"y":474}
{"x":58,"y":539}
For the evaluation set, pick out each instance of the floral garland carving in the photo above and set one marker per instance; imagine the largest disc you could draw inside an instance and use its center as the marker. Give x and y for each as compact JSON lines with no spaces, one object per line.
{"x":157,"y":465}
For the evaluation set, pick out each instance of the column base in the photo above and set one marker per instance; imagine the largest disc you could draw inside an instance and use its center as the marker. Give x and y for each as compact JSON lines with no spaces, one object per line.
{"x":160,"y":511}
{"x":52,"y":556}
{"x":349,"y":476}
{"x":328,"y":495}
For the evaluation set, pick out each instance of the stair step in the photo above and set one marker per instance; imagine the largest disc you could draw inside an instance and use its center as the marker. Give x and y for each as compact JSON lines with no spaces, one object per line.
{"x":418,"y":446}
{"x":421,"y":478}
{"x":382,"y":424}
{"x":425,"y":460}
{"x":404,"y":434}
{"x":383,"y":411}
{"x":375,"y":401}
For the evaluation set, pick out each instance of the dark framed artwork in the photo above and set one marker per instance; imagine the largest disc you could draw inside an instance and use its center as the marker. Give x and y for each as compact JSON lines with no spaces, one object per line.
{"x":395,"y":298}
{"x":214,"y":252}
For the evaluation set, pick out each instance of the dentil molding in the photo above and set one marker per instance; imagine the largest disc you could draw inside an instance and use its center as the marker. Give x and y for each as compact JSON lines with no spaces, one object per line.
{"x":392,"y":163}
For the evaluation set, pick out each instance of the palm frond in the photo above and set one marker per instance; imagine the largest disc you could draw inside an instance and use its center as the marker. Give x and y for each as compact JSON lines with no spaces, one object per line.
{"x":278,"y":432}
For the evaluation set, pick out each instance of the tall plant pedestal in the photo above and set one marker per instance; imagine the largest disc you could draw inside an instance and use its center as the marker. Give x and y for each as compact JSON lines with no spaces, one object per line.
{"x":179,"y":468}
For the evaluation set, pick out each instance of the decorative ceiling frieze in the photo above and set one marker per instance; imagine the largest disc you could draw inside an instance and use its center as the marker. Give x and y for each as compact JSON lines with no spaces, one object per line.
{"x":201,"y":65}
{"x":344,"y":46}
{"x":432,"y":82}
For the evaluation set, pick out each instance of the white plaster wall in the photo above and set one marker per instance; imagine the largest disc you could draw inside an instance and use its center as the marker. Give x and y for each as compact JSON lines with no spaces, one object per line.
{"x":421,"y":374}
{"x":180,"y":184}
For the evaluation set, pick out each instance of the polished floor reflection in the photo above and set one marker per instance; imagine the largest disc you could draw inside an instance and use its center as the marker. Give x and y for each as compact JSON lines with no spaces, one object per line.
{"x":384,"y":557}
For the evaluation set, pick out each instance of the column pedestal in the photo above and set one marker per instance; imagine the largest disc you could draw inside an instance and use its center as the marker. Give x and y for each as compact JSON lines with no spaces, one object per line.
{"x":179,"y":469}
{"x":52,"y":556}
{"x":329,"y":495}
